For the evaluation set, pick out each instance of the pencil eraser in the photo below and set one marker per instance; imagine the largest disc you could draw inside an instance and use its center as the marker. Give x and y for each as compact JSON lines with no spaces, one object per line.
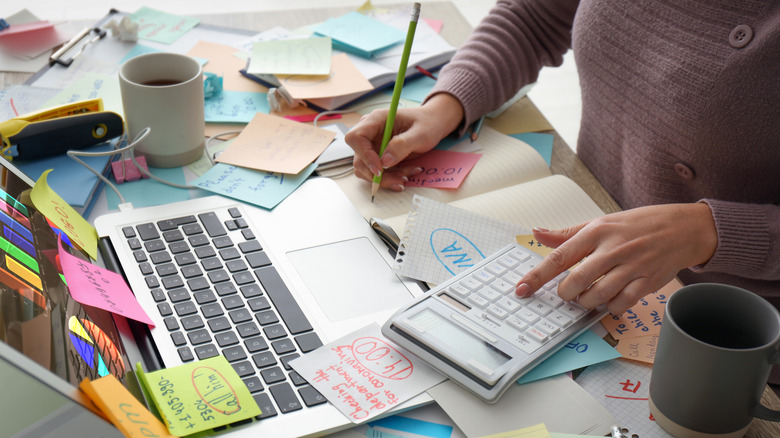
{"x":130,"y":172}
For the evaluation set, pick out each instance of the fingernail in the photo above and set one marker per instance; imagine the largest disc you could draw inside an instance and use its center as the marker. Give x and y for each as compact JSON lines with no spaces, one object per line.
{"x":398,"y":187}
{"x":374,"y":170}
{"x":387,"y":160}
{"x":541,"y":230}
{"x":405,"y":179}
{"x":416,"y":170}
{"x":523,"y":290}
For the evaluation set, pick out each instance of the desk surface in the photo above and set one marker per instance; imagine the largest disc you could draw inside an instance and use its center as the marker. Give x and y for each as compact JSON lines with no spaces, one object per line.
{"x":455,"y":31}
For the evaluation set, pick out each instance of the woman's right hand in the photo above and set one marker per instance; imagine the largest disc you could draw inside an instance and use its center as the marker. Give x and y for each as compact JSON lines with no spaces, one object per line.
{"x":415,"y":131}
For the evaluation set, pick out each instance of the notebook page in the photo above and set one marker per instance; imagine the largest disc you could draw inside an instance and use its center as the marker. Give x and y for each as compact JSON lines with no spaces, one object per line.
{"x":505,"y":161}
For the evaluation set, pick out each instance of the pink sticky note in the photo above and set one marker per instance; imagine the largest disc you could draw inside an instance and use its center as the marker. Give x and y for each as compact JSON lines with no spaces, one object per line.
{"x":436,"y":25}
{"x":97,"y":287}
{"x":442,"y":169}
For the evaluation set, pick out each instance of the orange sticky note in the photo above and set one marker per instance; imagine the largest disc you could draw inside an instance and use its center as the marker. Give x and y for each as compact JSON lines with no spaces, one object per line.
{"x":344,"y":79}
{"x":123,"y":410}
{"x":644,"y":319}
{"x":224,"y":62}
{"x":641,"y":348}
{"x":48,"y":202}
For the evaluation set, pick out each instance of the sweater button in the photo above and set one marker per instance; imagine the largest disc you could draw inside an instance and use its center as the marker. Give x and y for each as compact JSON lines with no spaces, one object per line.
{"x":684,"y":171}
{"x":740,"y":36}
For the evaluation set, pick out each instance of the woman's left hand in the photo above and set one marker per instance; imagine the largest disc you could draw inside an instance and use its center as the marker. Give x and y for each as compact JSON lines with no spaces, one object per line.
{"x":627,"y":255}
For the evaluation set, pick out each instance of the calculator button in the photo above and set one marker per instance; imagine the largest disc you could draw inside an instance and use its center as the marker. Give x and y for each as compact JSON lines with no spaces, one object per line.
{"x":559,"y":318}
{"x":541,"y":307}
{"x":483,"y":276}
{"x":459,"y":290}
{"x":547,"y":327}
{"x":478,"y":301}
{"x":528,"y":315}
{"x":502,"y":286}
{"x":526,"y":344}
{"x":572,"y":310}
{"x":508,"y":304}
{"x":471,"y":283}
{"x":497,"y":311}
{"x":520,"y":255}
{"x":536,"y":334}
{"x":516,"y":323}
{"x":512,"y":277}
{"x":552,"y":299}
{"x":490,"y":294}
{"x":508,"y":261}
{"x":496,"y":269}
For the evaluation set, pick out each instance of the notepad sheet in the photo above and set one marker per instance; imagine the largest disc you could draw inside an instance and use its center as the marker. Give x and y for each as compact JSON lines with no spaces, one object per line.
{"x":439,"y":241}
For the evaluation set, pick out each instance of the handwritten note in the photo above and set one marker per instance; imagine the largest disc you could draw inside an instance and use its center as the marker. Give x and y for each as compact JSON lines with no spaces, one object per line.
{"x":265,"y":189}
{"x":199,"y":396}
{"x":586,"y":349}
{"x":91,"y":85}
{"x":359,"y":34}
{"x":641,"y":348}
{"x":344,"y":78}
{"x":302,"y":56}
{"x":98,"y":287}
{"x":644,"y":318}
{"x":236,"y":106}
{"x":363,"y":374}
{"x":276,"y":144}
{"x":51,"y":205}
{"x":160,"y":26}
{"x":123,"y":410}
{"x":442,"y":169}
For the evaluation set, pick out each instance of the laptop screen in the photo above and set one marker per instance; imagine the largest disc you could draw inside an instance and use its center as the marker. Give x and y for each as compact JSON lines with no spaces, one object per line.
{"x":38,"y":316}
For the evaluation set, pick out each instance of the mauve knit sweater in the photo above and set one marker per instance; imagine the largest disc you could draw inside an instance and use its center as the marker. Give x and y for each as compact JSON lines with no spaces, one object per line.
{"x":681,"y":103}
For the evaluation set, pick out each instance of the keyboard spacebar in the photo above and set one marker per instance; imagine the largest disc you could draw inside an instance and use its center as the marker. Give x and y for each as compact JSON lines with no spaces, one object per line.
{"x":285,"y":303}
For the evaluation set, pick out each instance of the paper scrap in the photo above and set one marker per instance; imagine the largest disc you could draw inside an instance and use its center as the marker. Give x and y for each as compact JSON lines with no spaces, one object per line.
{"x":98,"y":287}
{"x":641,"y":348}
{"x":586,"y":349}
{"x":644,"y":318}
{"x":236,"y":106}
{"x":441,"y":169}
{"x":344,"y":79}
{"x":64,"y":216}
{"x":300,"y":56}
{"x":537,"y":431}
{"x":276,"y":144}
{"x":436,"y":25}
{"x":123,"y":410}
{"x":91,"y":86}
{"x":223,"y":62}
{"x":356,"y":33}
{"x":261,"y":188}
{"x":542,"y":143}
{"x":199,"y":395}
{"x":363,"y":374}
{"x":160,"y":26}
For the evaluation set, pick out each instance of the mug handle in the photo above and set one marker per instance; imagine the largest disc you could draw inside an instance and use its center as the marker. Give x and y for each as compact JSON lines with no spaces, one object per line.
{"x":761,"y":411}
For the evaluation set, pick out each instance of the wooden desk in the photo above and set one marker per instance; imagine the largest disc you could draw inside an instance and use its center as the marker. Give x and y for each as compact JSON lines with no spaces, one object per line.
{"x":456,"y":30}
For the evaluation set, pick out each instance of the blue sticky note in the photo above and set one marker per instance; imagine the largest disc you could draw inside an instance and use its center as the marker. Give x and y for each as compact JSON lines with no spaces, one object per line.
{"x":413,"y":426}
{"x":236,"y":106}
{"x":261,"y":188}
{"x":415,"y":89}
{"x":543,"y":143}
{"x":586,"y":349}
{"x":147,"y":192}
{"x":359,"y":34}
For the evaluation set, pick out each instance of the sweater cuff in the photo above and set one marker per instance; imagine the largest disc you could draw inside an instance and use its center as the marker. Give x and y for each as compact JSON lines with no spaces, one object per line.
{"x":743,"y":239}
{"x":460,"y":84}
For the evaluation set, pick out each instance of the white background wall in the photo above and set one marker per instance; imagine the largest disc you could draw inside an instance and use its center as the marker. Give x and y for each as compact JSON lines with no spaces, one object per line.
{"x":556,"y":93}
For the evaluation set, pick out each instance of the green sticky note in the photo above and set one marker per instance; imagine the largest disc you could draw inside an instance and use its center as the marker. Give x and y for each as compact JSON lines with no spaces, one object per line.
{"x":300,"y":56}
{"x":199,"y":396}
{"x":162,"y":27}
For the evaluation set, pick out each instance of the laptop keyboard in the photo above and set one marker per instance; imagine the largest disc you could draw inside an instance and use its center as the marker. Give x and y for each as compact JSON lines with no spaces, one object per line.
{"x":219,"y":293}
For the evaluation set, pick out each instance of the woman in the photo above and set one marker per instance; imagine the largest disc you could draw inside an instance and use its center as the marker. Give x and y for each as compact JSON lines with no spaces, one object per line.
{"x":680,"y":123}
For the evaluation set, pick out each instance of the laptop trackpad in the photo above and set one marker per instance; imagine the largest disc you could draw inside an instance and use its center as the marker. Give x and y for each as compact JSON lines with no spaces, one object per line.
{"x":349,"y":278}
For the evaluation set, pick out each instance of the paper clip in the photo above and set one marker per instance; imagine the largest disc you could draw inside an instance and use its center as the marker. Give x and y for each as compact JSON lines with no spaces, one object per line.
{"x":55,"y":58}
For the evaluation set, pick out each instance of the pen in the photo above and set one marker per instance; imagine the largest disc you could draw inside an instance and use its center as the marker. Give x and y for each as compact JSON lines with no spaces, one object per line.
{"x":399,"y":83}
{"x":616,"y":432}
{"x":4,"y":24}
{"x":477,"y":127}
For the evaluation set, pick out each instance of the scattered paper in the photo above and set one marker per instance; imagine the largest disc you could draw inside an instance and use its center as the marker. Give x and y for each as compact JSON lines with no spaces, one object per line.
{"x":160,"y":26}
{"x":641,"y":348}
{"x":586,"y":349}
{"x":415,"y":89}
{"x":123,"y":410}
{"x":441,"y":169}
{"x":344,"y":79}
{"x":644,"y":318}
{"x":64,"y":216}
{"x":222,"y":61}
{"x":363,"y":374}
{"x":359,"y":34}
{"x":261,"y":188}
{"x":236,"y":106}
{"x":299,"y":56}
{"x":147,"y":192}
{"x":537,"y":431}
{"x":401,"y":426}
{"x":98,"y":287}
{"x":542,"y":143}
{"x":199,"y":395}
{"x":276,"y":144}
{"x":91,"y":86}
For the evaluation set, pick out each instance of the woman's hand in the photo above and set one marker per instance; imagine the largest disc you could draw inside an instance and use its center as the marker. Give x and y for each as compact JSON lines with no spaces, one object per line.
{"x":627,"y":255}
{"x":415,"y":131}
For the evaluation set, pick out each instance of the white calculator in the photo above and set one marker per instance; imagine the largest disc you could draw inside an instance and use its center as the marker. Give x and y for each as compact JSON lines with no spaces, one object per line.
{"x":475,"y":330}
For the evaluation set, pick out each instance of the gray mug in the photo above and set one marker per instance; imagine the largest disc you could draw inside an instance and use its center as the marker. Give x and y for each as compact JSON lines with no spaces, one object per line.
{"x":716,"y":348}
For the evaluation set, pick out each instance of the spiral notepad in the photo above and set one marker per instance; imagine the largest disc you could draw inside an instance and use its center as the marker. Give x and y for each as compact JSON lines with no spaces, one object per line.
{"x":439,"y":241}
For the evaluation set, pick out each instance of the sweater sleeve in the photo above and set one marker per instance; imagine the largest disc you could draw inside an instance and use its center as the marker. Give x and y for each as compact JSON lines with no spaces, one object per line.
{"x":505,"y":52}
{"x":748,"y":240}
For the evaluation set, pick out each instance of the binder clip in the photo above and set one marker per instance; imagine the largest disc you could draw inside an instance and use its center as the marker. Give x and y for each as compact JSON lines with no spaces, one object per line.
{"x":57,"y":57}
{"x":126,"y":170}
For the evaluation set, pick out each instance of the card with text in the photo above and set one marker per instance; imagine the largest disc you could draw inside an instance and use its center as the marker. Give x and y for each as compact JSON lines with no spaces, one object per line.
{"x":441,"y":169}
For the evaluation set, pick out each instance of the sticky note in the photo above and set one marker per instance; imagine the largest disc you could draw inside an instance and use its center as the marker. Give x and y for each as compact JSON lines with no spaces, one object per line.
{"x":235,"y":106}
{"x":644,"y":318}
{"x":199,"y":396}
{"x":98,"y":287}
{"x":160,"y":26}
{"x":48,"y":202}
{"x":302,"y":56}
{"x":641,"y":348}
{"x":441,"y":169}
{"x":542,"y":143}
{"x":123,"y":410}
{"x":261,"y":188}
{"x":537,"y":431}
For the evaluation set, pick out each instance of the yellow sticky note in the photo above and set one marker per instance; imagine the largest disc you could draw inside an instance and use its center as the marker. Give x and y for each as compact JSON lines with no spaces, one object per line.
{"x":199,"y":396}
{"x":538,"y":431}
{"x":122,"y":409}
{"x":64,"y":216}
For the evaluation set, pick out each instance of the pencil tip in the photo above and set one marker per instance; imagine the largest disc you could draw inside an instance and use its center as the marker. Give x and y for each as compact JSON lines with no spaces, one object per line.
{"x":372,"y":199}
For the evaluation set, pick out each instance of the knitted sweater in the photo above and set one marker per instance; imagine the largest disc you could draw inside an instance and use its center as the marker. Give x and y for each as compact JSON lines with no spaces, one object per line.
{"x":681,"y":103}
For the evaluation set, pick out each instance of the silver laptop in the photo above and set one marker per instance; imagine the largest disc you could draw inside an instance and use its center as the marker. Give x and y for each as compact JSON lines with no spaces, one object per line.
{"x":217,"y":277}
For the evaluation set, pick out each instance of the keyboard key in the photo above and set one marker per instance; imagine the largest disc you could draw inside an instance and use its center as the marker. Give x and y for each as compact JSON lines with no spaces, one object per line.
{"x":232,"y":302}
{"x":243,"y":369}
{"x":185,"y":354}
{"x":296,"y":379}
{"x":178,"y":339}
{"x":212,"y":224}
{"x":185,"y":259}
{"x":192,"y":322}
{"x":157,"y":295}
{"x":285,"y":303}
{"x":263,"y":401}
{"x":311,"y":397}
{"x":250,"y":246}
{"x":191,"y":271}
{"x":308,"y":342}
{"x":160,"y":257}
{"x":234,"y":266}
{"x":171,"y":323}
{"x":248,"y":329}
{"x":206,"y":351}
{"x":197,"y":283}
{"x":285,"y":398}
{"x":134,"y":244}
{"x":229,"y":253}
{"x":199,"y":240}
{"x":273,"y":375}
{"x":147,"y":231}
{"x":240,"y":315}
{"x":286,"y":360}
{"x":128,"y":232}
{"x":166,"y":269}
{"x":275,"y":331}
{"x":264,"y":359}
{"x":219,"y":324}
{"x":233,"y":354}
{"x":172,"y":282}
{"x":266,"y":317}
{"x":173,"y":236}
{"x":226,"y":338}
{"x":192,"y":229}
{"x":204,"y":252}
{"x":178,"y":247}
{"x":218,"y":276}
{"x":198,"y":337}
{"x":258,"y":304}
{"x":211,"y":310}
{"x":204,"y":296}
{"x":186,"y":308}
{"x":253,"y":384}
{"x":251,"y":290}
{"x":253,"y":345}
{"x":165,"y":309}
{"x":222,"y":242}
{"x":283,"y":346}
{"x":258,"y":259}
{"x":225,"y":289}
{"x":234,"y":212}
